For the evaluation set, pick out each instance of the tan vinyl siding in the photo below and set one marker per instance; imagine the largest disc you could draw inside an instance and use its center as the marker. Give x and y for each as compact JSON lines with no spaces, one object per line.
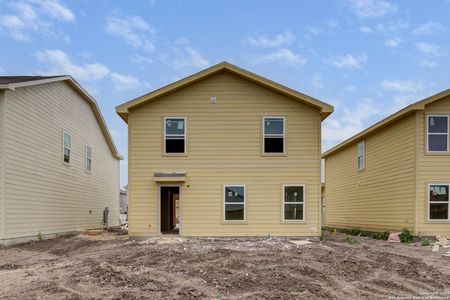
{"x":431,"y":168}
{"x":2,"y":167}
{"x":42,"y":193}
{"x":224,"y":147}
{"x":382,"y":196}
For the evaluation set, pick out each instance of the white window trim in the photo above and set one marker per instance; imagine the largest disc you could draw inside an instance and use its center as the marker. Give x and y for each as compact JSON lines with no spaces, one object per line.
{"x":363,"y":155}
{"x":175,"y":135}
{"x":70,"y":148}
{"x":225,"y":203}
{"x":283,"y":203}
{"x":86,"y":158}
{"x":273,"y":135}
{"x":438,"y":202}
{"x":436,"y":133}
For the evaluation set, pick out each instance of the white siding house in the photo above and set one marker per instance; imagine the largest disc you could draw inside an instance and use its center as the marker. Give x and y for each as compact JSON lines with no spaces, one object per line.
{"x":59,"y":167}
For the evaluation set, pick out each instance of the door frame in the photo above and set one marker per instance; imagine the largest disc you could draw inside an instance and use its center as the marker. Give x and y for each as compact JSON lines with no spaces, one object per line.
{"x":159,"y":206}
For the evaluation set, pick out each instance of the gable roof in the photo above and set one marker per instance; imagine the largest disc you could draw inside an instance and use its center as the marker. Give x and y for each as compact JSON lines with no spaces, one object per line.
{"x":419,"y":105}
{"x":13,"y":82}
{"x":325,"y":109}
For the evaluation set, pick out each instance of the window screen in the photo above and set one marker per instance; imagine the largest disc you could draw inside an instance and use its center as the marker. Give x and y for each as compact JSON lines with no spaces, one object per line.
{"x":293,"y":203}
{"x":273,"y":135}
{"x":234,"y":203}
{"x":437,"y":133}
{"x":175,"y":135}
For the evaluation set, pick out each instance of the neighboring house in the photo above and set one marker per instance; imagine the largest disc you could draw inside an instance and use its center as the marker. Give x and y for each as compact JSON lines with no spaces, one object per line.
{"x":395,"y":174}
{"x":124,"y":199}
{"x":59,"y":168}
{"x":237,"y":153}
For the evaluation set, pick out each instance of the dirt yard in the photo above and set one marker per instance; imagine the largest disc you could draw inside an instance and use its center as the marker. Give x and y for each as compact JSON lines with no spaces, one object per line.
{"x":110,"y":266}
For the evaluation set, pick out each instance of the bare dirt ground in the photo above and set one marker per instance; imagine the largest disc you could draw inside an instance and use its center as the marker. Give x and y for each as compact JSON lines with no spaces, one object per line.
{"x":110,"y":266}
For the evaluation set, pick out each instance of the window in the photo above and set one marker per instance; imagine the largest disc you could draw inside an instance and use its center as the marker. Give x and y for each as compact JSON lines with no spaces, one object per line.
{"x":174,"y":135}
{"x":437,"y":133}
{"x":88,"y":158}
{"x":234,"y":201}
{"x":361,"y":155}
{"x":66,"y":147}
{"x":438,"y":201}
{"x":293,"y":202}
{"x":273,"y":131}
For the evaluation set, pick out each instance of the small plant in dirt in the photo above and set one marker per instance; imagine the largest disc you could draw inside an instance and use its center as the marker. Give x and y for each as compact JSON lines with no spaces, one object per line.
{"x":406,"y":237}
{"x":351,"y":240}
{"x":323,"y":237}
{"x":40,"y":236}
{"x":425,"y":242}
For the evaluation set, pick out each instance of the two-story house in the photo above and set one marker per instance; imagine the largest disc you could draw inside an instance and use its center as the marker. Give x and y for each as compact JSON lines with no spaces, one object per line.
{"x":395,"y":174}
{"x":59,"y":168}
{"x":224,"y":152}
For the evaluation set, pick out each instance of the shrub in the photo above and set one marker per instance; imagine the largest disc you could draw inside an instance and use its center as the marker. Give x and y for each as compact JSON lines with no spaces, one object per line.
{"x":405,"y":236}
{"x":351,"y":240}
{"x":40,"y":236}
{"x":425,"y":242}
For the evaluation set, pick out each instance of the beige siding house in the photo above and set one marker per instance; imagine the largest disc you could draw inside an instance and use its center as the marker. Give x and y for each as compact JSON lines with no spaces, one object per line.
{"x":224,"y":152}
{"x":59,"y":167}
{"x":395,"y":174}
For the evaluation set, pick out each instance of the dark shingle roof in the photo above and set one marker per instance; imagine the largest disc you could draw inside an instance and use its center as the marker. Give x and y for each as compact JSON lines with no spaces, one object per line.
{"x":17,"y":79}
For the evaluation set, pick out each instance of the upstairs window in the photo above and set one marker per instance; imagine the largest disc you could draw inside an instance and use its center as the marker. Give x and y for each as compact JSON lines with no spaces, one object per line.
{"x":361,"y":155}
{"x":273,"y":135}
{"x":175,"y":135}
{"x":88,"y":158}
{"x":234,"y":202}
{"x":293,"y":203}
{"x":438,"y":202}
{"x":437,"y":133}
{"x":66,"y":147}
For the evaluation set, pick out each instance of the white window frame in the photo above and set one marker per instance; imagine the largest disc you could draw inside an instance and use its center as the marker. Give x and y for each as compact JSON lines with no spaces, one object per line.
{"x":89,"y":158}
{"x":64,"y":147}
{"x":283,"y":202}
{"x":436,"y":133}
{"x":437,"y":202}
{"x":363,"y":155}
{"x":241,"y":203}
{"x":283,"y":135}
{"x":175,"y":135}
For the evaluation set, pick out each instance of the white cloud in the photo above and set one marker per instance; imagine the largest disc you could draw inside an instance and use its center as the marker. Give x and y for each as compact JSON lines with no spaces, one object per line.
{"x":366,"y":29}
{"x":428,"y":49}
{"x":134,"y":31}
{"x":394,"y":42}
{"x":124,"y":82}
{"x":350,"y":88}
{"x":391,"y":27}
{"x":141,"y":59}
{"x":283,"y":56}
{"x":27,"y":18}
{"x":55,"y":9}
{"x":427,"y":63}
{"x":349,"y":61}
{"x":371,"y":8}
{"x":188,"y":57}
{"x":403,"y":86}
{"x":428,"y":28}
{"x":59,"y":62}
{"x":316,"y":81}
{"x":264,"y":41}
{"x":338,"y":128}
